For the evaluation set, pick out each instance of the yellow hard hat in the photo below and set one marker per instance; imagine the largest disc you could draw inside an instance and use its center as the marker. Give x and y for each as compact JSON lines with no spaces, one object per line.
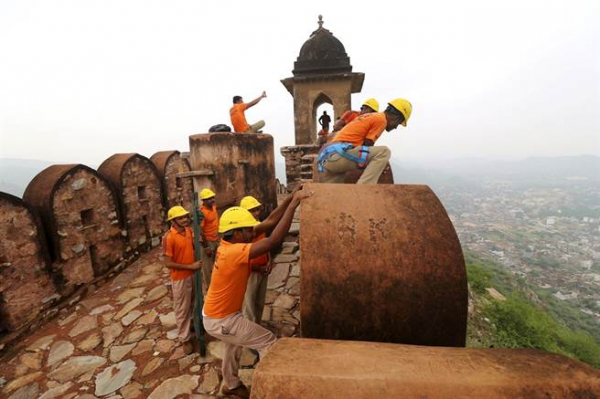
{"x":207,"y":193}
{"x":236,"y":218}
{"x":249,"y":203}
{"x":176,"y":212}
{"x":372,"y":103}
{"x":404,"y":107}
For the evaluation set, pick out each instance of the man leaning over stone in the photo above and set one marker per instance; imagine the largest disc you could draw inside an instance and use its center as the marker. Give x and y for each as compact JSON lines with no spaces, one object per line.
{"x":178,"y":247}
{"x":354,"y":147}
{"x":222,"y":307}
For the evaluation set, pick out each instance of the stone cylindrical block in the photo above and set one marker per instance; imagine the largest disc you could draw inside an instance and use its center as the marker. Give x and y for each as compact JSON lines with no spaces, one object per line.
{"x":323,"y":369}
{"x":381,"y":263}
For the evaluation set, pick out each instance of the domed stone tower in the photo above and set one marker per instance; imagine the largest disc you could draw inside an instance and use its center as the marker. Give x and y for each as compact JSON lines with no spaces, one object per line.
{"x":322,"y":74}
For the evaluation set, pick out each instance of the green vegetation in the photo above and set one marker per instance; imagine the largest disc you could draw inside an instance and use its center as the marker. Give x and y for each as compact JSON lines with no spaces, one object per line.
{"x":569,"y":315}
{"x":479,"y":278}
{"x":498,"y":277}
{"x":543,"y":262}
{"x":522,"y":325}
{"x":519,"y":322}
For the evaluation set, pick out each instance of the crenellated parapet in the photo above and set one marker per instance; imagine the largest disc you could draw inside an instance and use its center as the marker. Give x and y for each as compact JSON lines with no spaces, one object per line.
{"x":176,"y":190}
{"x":75,"y":226}
{"x":81,"y":221}
{"x":139,"y":189}
{"x":26,"y":287}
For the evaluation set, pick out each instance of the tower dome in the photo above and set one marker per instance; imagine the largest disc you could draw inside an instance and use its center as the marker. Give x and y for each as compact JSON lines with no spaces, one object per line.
{"x":322,"y":53}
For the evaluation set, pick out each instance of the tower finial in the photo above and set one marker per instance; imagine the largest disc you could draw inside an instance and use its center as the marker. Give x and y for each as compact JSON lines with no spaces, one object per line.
{"x":320,"y":22}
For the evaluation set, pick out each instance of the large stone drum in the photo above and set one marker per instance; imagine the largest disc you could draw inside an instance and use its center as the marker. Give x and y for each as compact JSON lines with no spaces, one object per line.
{"x":381,"y":263}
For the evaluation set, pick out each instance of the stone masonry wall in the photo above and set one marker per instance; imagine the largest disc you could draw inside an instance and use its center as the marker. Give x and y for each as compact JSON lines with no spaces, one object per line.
{"x":243,"y":164}
{"x":25,"y":286}
{"x":141,"y":195}
{"x":179,"y":191}
{"x":87,"y":228}
{"x":294,"y":163}
{"x":282,"y":305}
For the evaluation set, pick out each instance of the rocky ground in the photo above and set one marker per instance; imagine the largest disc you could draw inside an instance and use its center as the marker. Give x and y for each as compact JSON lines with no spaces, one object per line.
{"x":120,"y":341}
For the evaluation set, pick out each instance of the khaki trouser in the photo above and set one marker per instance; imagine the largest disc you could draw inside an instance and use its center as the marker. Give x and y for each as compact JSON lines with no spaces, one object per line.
{"x":256,"y":127}
{"x":208,"y":267}
{"x":336,"y":166}
{"x":182,"y":305}
{"x":254,"y":300}
{"x":238,"y":332}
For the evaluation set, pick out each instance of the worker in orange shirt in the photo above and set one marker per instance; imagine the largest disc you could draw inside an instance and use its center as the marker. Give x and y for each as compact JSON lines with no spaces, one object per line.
{"x":178,"y":247}
{"x":222,"y":315}
{"x":369,"y":106}
{"x":238,"y":116}
{"x":353,"y":146}
{"x":256,"y":291}
{"x":210,"y":229}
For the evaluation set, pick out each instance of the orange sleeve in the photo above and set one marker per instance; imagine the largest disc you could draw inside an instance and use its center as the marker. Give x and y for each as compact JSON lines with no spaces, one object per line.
{"x":377,"y":127}
{"x":244,"y":107}
{"x":169,"y":246}
{"x":346,"y":116}
{"x":203,"y":223}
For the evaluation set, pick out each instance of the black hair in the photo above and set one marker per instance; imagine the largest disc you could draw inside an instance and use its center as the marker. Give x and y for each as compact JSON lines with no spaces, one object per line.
{"x":227,"y":235}
{"x":394,"y":111}
{"x":236,"y":99}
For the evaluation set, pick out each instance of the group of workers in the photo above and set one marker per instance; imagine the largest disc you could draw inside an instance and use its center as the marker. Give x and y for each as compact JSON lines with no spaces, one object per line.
{"x":351,"y":145}
{"x":237,"y":246}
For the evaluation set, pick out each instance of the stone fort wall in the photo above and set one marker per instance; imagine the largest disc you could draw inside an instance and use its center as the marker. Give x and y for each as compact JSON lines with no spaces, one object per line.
{"x":76,"y":227}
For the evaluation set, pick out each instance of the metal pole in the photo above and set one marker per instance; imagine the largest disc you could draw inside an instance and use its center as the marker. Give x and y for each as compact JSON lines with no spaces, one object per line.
{"x":197,"y":217}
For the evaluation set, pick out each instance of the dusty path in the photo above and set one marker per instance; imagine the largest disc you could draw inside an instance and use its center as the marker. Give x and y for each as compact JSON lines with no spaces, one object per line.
{"x":117,"y":342}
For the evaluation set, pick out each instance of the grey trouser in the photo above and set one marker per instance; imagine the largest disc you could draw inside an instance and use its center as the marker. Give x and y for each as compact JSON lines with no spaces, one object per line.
{"x":254,"y":300}
{"x":336,"y":166}
{"x":256,"y":127}
{"x":237,"y":332}
{"x":182,"y":305}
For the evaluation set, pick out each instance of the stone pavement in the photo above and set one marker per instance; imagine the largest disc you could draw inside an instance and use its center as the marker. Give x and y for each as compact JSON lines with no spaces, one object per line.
{"x":120,"y":341}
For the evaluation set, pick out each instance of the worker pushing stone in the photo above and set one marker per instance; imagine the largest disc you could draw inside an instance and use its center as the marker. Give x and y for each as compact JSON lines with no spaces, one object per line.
{"x":256,"y":291}
{"x":223,"y":304}
{"x":238,"y":116}
{"x":353,"y":147}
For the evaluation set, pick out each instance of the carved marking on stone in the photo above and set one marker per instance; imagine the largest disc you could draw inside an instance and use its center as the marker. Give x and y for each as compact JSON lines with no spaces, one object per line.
{"x":346,"y":227}
{"x":377,"y":227}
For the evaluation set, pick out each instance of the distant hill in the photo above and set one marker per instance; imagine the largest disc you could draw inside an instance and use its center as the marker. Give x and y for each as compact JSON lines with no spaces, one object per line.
{"x":530,"y":170}
{"x":15,"y":174}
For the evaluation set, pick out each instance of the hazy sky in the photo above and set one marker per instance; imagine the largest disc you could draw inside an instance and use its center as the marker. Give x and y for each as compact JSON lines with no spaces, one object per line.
{"x":81,"y":80}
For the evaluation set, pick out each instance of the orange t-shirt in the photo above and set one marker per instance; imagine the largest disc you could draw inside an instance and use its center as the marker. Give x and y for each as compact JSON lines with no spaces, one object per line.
{"x":367,"y":126}
{"x":349,"y":116}
{"x":262,"y":259}
{"x":210,"y":223}
{"x":180,"y":248}
{"x":229,"y":279}
{"x":238,"y":119}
